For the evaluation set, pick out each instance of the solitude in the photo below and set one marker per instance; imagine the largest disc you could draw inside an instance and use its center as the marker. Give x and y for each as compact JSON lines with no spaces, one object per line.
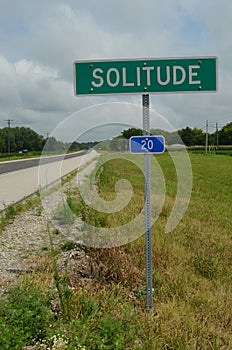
{"x":146,"y":76}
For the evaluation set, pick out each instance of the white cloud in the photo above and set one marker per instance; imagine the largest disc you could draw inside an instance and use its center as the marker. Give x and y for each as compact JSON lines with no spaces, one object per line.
{"x":40,"y":87}
{"x":24,"y":68}
{"x":32,"y":92}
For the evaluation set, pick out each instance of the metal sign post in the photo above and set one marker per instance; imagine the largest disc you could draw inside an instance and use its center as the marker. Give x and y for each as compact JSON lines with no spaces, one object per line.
{"x":147,"y":145}
{"x":147,"y":204}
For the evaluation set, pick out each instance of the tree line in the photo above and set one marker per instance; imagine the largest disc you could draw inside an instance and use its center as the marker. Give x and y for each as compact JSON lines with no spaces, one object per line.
{"x":189,"y":136}
{"x":21,"y":139}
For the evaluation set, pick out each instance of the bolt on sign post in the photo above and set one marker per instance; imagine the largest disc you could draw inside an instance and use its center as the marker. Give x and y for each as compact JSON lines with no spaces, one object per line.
{"x":145,"y":76}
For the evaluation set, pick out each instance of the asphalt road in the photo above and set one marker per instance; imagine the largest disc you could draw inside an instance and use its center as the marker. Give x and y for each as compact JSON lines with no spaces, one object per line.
{"x":14,"y":165}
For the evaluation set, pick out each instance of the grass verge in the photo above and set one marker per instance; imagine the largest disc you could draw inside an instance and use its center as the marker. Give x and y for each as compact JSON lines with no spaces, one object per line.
{"x":191,"y":274}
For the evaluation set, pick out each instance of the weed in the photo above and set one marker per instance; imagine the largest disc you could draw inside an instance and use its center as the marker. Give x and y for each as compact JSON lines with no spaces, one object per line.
{"x":68,"y":246}
{"x":57,"y":342}
{"x":64,"y":214}
{"x":44,"y":248}
{"x":56,"y":231}
{"x":10,"y":211}
{"x":24,"y":316}
{"x":61,"y":283}
{"x":38,"y":210}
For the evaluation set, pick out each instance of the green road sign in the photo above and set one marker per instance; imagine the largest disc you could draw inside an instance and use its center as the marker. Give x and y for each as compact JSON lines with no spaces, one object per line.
{"x":193,"y":74}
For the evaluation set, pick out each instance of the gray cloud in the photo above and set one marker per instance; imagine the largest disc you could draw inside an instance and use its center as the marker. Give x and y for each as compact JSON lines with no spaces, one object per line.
{"x":40,"y":41}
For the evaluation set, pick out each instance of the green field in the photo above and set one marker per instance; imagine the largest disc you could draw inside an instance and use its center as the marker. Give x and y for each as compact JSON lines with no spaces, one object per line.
{"x":192,"y":274}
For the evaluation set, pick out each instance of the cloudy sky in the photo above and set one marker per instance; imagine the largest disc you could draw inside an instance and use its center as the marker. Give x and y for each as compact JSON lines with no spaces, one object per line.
{"x":40,"y":40}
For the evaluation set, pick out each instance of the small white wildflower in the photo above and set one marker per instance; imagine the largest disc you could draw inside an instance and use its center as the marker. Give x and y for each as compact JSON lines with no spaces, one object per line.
{"x":59,"y":343}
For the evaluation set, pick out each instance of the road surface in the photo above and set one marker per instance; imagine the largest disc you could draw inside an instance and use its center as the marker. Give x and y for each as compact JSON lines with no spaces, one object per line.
{"x":18,"y":184}
{"x":13,"y":165}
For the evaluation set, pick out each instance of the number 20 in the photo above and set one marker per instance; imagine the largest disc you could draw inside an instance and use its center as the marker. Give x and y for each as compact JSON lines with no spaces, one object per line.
{"x":147,"y":145}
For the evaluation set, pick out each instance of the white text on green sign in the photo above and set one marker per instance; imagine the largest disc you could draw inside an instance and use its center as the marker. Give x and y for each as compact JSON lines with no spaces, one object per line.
{"x":145,"y":76}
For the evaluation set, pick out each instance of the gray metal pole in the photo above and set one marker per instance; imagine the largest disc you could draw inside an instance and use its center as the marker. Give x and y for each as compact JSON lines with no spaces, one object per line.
{"x":217,"y":136}
{"x":147,"y":199}
{"x":206,"y":137}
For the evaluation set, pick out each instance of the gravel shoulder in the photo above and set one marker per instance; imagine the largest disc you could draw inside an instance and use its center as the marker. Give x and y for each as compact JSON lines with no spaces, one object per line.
{"x":26,"y":238}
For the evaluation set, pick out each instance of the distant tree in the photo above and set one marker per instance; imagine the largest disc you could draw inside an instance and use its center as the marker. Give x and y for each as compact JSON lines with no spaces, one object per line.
{"x":88,"y":145}
{"x":192,"y":137}
{"x":186,"y":136}
{"x":198,"y":137}
{"x":75,"y":146}
{"x":26,"y":138}
{"x":20,"y":138}
{"x":225,"y":135}
{"x":118,"y":144}
{"x":2,"y":141}
{"x":170,"y":137}
{"x":52,"y":145}
{"x":131,"y":132}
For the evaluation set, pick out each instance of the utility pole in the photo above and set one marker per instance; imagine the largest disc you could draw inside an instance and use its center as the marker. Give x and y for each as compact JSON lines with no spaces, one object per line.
{"x":206,"y":137}
{"x":217,"y":136}
{"x":8,"y":123}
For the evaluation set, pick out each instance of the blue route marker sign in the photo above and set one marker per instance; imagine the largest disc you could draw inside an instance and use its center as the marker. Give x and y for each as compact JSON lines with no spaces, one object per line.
{"x":147,"y":144}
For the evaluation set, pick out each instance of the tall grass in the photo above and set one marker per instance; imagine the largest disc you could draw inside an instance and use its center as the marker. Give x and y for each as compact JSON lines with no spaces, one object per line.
{"x":192,"y":276}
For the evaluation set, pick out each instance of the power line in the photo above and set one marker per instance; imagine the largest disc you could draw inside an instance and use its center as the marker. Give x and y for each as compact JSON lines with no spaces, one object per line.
{"x":211,"y":124}
{"x":221,"y":120}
